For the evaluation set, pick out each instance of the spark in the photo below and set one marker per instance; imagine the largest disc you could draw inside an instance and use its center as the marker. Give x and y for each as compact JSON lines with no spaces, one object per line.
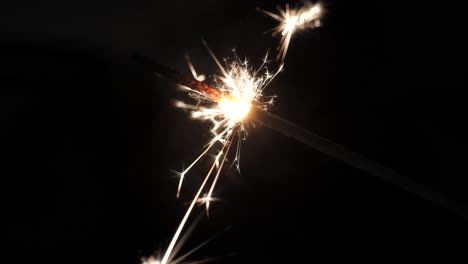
{"x":197,"y":77}
{"x":292,"y":19}
{"x":226,"y":105}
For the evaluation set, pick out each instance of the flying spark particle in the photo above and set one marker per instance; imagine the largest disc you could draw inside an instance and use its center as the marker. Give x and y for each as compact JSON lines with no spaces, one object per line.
{"x":293,"y":19}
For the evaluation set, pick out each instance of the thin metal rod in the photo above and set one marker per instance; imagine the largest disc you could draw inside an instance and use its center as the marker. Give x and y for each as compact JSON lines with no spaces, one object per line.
{"x":354,"y":159}
{"x":173,"y":75}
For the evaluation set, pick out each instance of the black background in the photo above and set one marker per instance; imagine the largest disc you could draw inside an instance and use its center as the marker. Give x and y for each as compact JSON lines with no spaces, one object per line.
{"x":89,"y":137}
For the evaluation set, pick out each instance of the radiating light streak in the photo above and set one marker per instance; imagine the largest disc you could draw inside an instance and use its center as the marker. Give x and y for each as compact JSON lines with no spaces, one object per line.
{"x":292,"y":19}
{"x":222,"y":154}
{"x":197,"y":77}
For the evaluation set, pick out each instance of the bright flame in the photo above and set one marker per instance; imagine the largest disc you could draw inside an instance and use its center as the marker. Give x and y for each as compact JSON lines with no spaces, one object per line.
{"x":235,"y":109}
{"x":292,"y":19}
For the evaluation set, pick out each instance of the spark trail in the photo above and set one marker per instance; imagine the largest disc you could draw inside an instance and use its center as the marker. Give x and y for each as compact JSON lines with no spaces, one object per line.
{"x":293,"y":19}
{"x":179,"y":244}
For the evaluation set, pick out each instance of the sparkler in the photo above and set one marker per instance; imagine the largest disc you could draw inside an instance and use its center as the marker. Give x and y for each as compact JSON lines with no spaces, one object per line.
{"x":292,"y":19}
{"x":237,"y":98}
{"x":351,"y":158}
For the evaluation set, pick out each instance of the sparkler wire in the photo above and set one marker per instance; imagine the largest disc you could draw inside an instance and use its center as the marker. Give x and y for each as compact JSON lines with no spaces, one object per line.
{"x":320,"y":143}
{"x":355,"y":160}
{"x":174,"y":75}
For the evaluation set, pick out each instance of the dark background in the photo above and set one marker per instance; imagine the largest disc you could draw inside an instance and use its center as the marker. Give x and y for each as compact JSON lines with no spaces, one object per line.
{"x":89,"y":137}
